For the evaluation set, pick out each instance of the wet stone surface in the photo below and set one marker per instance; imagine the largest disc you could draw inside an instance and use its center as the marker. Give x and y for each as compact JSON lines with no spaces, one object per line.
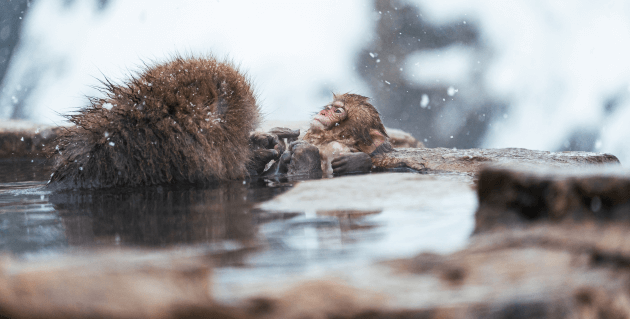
{"x":471,"y":161}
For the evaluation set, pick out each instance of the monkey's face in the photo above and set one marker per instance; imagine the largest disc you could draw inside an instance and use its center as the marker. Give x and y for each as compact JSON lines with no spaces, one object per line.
{"x":330,"y":116}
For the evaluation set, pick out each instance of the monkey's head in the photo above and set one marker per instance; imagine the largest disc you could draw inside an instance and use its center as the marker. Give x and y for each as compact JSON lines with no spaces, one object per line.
{"x":332,"y":114}
{"x":348,"y":116}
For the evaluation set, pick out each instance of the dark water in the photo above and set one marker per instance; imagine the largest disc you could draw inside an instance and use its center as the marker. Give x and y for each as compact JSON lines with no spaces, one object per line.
{"x":35,"y":220}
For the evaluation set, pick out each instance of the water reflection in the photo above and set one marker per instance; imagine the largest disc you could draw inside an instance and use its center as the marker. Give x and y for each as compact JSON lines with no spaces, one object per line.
{"x":155,"y":216}
{"x":163,"y":216}
{"x":32,"y":219}
{"x":23,"y":170}
{"x":28,"y":222}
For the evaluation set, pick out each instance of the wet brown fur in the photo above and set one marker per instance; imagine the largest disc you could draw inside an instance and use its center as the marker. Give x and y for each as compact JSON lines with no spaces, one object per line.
{"x":354,"y":131}
{"x":186,"y":120}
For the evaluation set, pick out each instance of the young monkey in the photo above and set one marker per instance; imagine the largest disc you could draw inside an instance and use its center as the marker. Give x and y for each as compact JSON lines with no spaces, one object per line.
{"x":347,"y":132}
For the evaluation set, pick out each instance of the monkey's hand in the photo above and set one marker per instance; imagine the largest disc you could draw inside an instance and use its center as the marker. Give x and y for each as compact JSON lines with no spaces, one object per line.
{"x":351,"y":163}
{"x":300,"y":158}
{"x":265,"y":147}
{"x":283,"y":132}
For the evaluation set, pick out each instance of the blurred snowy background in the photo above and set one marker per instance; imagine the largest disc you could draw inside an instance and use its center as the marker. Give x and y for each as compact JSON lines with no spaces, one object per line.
{"x":549,"y":75}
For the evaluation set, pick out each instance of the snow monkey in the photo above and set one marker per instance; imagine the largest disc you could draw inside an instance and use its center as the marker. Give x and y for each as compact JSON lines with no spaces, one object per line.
{"x":186,"y":120}
{"x":347,"y":132}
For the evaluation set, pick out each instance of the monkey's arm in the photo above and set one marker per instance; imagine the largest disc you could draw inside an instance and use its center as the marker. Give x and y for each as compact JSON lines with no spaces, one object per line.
{"x":351,"y":163}
{"x":361,"y":162}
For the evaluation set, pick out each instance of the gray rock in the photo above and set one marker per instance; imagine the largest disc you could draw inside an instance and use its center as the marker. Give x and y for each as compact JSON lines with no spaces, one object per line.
{"x":471,"y":161}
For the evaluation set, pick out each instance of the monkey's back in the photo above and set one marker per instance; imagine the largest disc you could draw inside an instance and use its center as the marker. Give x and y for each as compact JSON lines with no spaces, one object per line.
{"x":187,"y":120}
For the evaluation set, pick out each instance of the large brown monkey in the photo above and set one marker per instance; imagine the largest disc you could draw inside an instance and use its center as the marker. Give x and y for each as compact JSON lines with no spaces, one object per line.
{"x":346,"y":133}
{"x":187,"y":120}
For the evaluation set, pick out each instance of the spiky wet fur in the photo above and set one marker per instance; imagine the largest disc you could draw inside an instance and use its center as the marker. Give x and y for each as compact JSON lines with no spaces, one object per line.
{"x":186,"y":120}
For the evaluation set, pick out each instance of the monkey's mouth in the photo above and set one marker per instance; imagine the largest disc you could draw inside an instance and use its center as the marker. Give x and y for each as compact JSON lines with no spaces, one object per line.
{"x":318,"y":124}
{"x":325,"y":121}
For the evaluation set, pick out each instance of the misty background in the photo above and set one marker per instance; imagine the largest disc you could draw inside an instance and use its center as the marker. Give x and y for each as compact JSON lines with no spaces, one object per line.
{"x":546,"y":75}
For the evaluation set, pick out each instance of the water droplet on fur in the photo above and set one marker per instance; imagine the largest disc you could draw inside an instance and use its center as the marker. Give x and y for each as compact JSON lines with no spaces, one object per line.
{"x":22,"y":139}
{"x":106,"y":134}
{"x":336,"y":124}
{"x":81,"y":168}
{"x":111,"y":144}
